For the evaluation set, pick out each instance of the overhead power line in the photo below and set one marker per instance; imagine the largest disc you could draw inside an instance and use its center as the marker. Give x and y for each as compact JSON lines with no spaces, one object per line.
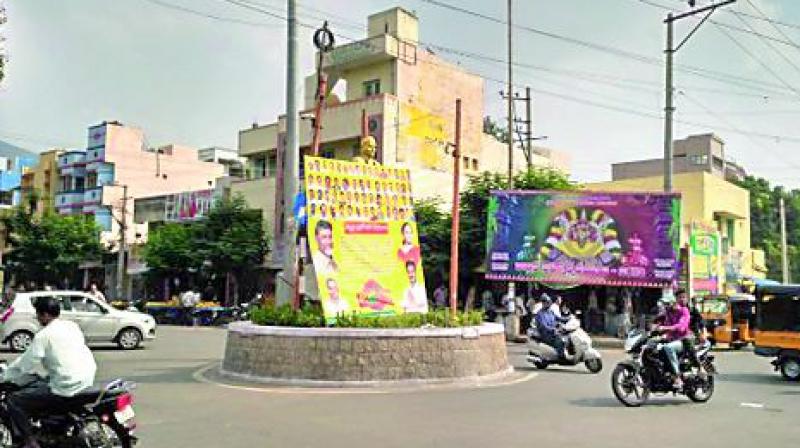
{"x":213,"y":16}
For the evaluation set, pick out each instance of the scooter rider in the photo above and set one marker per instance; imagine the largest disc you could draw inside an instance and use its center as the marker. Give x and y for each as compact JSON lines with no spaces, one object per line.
{"x":676,"y":326}
{"x":546,"y":323}
{"x":59,"y":348}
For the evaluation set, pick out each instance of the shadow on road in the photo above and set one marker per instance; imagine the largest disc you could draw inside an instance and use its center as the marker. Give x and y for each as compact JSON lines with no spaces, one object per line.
{"x":751,"y":378}
{"x":611,"y":402}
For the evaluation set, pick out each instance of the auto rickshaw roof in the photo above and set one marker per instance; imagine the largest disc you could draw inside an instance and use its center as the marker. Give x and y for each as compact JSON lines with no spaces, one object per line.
{"x":777,"y":289}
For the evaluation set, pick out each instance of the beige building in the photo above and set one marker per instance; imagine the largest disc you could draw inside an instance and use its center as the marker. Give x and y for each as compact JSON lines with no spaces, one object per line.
{"x":408,"y":96}
{"x":41,"y":182}
{"x":709,"y":199}
{"x":696,"y":153}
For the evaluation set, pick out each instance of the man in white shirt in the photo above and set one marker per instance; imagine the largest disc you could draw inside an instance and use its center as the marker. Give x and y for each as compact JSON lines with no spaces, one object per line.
{"x":415,"y":299}
{"x":335,"y":305}
{"x":58,"y":349}
{"x":324,"y":263}
{"x":96,"y":293}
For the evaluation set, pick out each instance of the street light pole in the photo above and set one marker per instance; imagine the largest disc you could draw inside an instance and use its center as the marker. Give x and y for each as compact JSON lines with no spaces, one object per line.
{"x":287,"y":278}
{"x":123,"y":230}
{"x":669,"y":108}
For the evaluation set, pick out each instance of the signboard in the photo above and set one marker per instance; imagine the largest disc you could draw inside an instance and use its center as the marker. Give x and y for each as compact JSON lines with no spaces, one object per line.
{"x":363,"y":238}
{"x":704,"y":240}
{"x":188,"y":205}
{"x":579,"y":237}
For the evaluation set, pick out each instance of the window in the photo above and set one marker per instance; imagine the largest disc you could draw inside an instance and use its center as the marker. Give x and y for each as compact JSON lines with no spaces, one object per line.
{"x":475,"y":164}
{"x":63,"y":302}
{"x":731,"y":231}
{"x":272,"y":164}
{"x":466,"y":162}
{"x":329,"y":153}
{"x":372,"y":87}
{"x":84,"y":305}
{"x":701,"y":160}
{"x":259,"y":167}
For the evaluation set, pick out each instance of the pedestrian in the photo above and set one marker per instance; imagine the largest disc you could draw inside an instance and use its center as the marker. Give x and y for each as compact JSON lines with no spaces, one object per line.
{"x":95,"y":292}
{"x":556,"y":306}
{"x":440,"y":296}
{"x":209,"y":293}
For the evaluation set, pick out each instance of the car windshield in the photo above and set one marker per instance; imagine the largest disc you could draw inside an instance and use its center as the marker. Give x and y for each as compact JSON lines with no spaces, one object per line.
{"x":714,"y":306}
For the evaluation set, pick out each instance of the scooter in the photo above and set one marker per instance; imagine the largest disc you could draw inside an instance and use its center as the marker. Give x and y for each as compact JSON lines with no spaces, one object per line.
{"x":578,"y":345}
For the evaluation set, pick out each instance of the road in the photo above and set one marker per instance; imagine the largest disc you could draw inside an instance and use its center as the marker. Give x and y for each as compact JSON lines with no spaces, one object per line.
{"x":752,"y":406}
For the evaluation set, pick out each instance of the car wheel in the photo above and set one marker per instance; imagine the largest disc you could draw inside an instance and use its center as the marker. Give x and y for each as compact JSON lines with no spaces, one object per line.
{"x":790,"y":369}
{"x":20,"y":341}
{"x":129,"y":338}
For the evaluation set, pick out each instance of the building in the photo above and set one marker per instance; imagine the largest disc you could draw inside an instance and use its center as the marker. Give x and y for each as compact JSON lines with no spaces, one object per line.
{"x":11,"y":169}
{"x":696,"y":153}
{"x":229,"y":158}
{"x":117,"y":161}
{"x":92,"y":181}
{"x":40,"y":183}
{"x":403,"y":95}
{"x":708,"y":198}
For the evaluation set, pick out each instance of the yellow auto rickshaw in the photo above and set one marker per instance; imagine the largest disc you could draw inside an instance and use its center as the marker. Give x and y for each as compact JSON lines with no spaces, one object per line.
{"x":729,"y":319}
{"x":778,"y":320}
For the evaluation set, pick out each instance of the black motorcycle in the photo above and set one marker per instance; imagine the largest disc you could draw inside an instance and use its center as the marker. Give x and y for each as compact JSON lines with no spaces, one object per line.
{"x":648,"y":371}
{"x":92,"y":419}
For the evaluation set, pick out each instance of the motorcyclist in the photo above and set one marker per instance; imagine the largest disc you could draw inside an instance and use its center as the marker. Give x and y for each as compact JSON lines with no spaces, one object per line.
{"x":546,"y":324}
{"x":676,"y":327}
{"x":59,"y":351}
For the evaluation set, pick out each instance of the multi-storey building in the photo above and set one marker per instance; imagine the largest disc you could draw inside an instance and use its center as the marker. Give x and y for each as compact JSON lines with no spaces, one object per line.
{"x":40,"y":183}
{"x":407,"y":95}
{"x":696,"y":153}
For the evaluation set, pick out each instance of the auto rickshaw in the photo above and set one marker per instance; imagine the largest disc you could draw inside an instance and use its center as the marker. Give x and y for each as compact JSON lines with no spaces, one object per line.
{"x":778,"y":320}
{"x":729,"y":319}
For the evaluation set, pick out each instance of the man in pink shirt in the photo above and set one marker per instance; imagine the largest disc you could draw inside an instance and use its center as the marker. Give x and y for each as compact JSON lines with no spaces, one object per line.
{"x":676,"y":326}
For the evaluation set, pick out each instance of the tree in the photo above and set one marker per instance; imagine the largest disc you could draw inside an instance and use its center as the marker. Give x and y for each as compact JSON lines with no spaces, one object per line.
{"x":492,"y":128}
{"x":49,"y":249}
{"x":170,"y":251}
{"x":232,"y":240}
{"x":433,"y":226}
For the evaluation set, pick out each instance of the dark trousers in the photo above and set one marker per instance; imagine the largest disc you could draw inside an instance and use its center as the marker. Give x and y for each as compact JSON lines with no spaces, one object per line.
{"x":33,"y":399}
{"x":555,"y":341}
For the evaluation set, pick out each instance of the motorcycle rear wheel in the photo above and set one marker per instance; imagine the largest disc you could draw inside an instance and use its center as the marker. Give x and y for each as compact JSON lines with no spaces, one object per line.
{"x":628,"y":386}
{"x":105,"y":435}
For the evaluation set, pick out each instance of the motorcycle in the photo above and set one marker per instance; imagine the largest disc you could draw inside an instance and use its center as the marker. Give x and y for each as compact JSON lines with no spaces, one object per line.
{"x":578,"y":346}
{"x":648,"y":371}
{"x":95,"y":418}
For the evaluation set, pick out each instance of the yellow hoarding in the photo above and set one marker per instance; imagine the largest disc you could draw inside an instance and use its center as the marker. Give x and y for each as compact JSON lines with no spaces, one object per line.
{"x":363,"y":238}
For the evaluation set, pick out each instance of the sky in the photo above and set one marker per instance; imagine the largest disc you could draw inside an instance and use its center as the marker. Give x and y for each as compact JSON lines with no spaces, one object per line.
{"x":195,"y":72}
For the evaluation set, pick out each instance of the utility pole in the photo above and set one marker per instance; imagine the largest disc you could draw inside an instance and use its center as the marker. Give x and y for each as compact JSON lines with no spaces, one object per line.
{"x":784,"y":250}
{"x":669,"y":108}
{"x":529,"y":123}
{"x":286,"y":279}
{"x":456,"y":213}
{"x":123,"y":230}
{"x":510,"y":101}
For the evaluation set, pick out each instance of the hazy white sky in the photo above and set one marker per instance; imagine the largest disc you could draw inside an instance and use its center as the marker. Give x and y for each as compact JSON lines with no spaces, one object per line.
{"x":197,"y":80}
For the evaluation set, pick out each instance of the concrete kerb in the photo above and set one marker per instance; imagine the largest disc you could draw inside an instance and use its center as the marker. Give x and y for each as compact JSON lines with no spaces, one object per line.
{"x":364,"y":358}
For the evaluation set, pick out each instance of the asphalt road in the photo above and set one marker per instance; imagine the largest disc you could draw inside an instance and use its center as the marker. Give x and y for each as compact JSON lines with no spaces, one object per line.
{"x":752,"y":406}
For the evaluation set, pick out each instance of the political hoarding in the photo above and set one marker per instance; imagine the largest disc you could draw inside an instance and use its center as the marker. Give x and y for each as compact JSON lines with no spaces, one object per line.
{"x":581,"y":237}
{"x":363,"y":238}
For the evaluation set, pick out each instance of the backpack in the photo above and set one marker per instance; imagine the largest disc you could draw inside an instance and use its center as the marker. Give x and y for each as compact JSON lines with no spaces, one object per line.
{"x":696,"y":322}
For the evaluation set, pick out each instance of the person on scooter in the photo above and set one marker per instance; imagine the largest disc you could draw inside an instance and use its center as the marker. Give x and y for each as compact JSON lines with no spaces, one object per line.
{"x":546,"y":323}
{"x":676,"y":326}
{"x":58,"y":349}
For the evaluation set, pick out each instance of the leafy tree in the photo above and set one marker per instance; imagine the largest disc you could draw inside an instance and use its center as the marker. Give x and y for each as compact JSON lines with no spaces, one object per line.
{"x":492,"y":128}
{"x":170,"y":251}
{"x":232,"y":240}
{"x":434,"y":233}
{"x":49,"y":249}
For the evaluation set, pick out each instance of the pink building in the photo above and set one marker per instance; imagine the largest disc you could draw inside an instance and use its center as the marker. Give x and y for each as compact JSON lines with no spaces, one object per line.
{"x":92,"y":181}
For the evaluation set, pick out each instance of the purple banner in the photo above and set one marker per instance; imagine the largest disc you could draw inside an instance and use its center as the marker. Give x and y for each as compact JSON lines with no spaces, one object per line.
{"x":579,"y":237}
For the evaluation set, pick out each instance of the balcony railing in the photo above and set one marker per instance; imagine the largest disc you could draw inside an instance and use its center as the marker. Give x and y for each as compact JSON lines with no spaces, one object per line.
{"x":69,"y":199}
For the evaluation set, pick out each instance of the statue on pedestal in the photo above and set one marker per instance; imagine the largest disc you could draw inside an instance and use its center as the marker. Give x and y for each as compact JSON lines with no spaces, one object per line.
{"x":368,"y":150}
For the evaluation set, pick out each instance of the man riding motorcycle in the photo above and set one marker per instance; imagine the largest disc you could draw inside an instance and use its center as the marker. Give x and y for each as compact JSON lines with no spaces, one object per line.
{"x":676,"y":326}
{"x":546,"y":324}
{"x":59,"y":350}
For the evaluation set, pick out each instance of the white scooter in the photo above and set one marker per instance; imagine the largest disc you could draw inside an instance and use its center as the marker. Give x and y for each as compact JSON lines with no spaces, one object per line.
{"x":578,"y":346}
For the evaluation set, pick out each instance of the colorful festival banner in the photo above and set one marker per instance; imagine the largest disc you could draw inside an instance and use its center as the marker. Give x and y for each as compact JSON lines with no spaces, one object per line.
{"x":363,"y":238}
{"x":579,"y":237}
{"x":706,"y":262}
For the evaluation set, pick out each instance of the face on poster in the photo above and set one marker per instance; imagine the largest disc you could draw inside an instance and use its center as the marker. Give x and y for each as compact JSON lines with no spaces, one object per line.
{"x":363,"y":238}
{"x":578,"y":237}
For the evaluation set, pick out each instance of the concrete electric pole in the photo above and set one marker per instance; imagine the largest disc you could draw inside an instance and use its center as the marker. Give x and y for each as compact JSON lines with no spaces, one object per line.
{"x":669,"y":109}
{"x":784,"y":250}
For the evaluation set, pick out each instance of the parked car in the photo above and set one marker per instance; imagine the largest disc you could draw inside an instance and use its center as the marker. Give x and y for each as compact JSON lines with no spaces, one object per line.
{"x":99,"y":321}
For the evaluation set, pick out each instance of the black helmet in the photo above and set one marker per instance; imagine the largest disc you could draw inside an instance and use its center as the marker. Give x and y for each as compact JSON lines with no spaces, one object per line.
{"x":47,"y":305}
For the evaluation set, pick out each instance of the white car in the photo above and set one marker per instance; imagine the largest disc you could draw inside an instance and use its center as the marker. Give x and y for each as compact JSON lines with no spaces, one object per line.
{"x":99,"y":321}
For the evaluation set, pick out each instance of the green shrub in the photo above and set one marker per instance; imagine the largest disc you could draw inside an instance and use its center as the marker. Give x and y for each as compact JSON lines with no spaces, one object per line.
{"x":308,"y":316}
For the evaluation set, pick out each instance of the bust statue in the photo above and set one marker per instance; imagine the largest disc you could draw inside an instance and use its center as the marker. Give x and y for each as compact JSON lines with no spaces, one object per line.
{"x":368,"y":150}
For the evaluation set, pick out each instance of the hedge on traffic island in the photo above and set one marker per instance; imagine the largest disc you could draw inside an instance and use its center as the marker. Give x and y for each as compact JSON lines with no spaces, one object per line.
{"x":312,"y":317}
